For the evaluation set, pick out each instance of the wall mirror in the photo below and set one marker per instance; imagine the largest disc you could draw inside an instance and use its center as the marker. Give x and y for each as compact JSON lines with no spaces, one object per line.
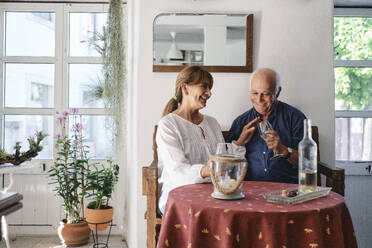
{"x":217,"y":42}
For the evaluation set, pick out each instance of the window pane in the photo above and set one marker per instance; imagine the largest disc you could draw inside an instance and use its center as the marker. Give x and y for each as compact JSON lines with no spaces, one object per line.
{"x":86,"y":32}
{"x":353,"y":88}
{"x":354,"y":139}
{"x":353,"y":38}
{"x":29,"y":85}
{"x":95,"y":135}
{"x":85,"y":85}
{"x":29,"y":33}
{"x":20,"y":127}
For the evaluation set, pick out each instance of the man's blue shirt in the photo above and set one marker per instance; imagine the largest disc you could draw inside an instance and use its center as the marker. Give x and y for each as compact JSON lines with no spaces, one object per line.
{"x":288,"y":122}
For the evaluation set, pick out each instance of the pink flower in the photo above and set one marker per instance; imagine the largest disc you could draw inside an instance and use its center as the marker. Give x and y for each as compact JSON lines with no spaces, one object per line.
{"x":61,"y":120}
{"x":74,"y":111}
{"x":76,"y":143}
{"x":65,"y":113}
{"x":77,"y":128}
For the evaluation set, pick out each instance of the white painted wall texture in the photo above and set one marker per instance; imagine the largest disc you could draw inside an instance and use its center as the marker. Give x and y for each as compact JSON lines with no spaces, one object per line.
{"x":294,"y":37}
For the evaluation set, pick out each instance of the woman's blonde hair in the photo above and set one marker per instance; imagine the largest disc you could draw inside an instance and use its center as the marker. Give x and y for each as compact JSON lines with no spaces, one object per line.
{"x":190,"y":75}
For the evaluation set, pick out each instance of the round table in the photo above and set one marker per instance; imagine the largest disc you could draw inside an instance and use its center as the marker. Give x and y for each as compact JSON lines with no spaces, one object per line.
{"x":193,"y":219}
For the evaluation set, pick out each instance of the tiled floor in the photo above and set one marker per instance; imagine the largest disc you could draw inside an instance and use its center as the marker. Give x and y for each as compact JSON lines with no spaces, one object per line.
{"x":54,"y":242}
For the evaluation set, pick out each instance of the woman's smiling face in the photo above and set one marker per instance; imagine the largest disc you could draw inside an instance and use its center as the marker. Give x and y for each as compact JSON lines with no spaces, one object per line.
{"x":199,"y":94}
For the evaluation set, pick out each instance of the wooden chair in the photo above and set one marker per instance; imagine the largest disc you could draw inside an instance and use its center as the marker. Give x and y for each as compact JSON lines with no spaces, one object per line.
{"x":151,"y":189}
{"x":335,"y":178}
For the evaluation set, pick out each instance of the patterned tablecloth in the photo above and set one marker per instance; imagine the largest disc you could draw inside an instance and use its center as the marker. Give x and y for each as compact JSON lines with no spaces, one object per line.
{"x":194,"y":219}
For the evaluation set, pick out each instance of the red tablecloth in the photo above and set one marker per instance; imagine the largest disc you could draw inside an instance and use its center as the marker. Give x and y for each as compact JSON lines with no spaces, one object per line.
{"x":194,"y":219}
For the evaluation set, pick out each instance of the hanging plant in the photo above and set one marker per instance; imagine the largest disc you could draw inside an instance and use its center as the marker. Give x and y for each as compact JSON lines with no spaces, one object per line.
{"x":114,"y":67}
{"x":111,"y":89}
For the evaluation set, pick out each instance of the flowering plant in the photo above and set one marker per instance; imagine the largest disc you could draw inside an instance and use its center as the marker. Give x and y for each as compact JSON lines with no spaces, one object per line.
{"x":71,"y":167}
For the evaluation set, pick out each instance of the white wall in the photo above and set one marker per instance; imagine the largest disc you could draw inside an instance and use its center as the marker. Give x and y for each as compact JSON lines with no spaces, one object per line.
{"x":293,"y":36}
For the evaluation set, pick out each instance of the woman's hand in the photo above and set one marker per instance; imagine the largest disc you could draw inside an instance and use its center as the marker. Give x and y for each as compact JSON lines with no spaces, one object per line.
{"x":247,"y":132}
{"x":205,"y":171}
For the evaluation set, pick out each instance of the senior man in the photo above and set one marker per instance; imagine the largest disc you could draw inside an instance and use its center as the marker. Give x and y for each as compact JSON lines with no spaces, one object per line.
{"x":287,"y":122}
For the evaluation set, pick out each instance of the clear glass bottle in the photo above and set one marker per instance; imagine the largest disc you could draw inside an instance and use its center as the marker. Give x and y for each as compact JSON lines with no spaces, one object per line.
{"x":307,"y":161}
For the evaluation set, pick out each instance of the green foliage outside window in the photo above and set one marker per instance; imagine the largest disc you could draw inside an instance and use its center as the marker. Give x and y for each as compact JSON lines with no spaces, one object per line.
{"x":354,"y":87}
{"x":353,"y":38}
{"x":353,"y":41}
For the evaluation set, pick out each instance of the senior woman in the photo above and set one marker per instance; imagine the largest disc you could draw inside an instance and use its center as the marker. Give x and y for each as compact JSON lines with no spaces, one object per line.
{"x":186,"y":138}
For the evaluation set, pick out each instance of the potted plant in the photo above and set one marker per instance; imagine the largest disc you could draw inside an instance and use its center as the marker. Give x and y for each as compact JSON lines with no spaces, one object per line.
{"x":101,"y":182}
{"x":68,"y":173}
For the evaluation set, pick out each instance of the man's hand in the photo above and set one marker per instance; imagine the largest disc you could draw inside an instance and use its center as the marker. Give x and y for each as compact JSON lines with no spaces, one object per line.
{"x":247,"y":132}
{"x":273,"y":142}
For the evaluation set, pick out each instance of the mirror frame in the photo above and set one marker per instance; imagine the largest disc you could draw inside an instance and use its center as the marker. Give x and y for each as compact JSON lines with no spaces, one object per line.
{"x":220,"y":68}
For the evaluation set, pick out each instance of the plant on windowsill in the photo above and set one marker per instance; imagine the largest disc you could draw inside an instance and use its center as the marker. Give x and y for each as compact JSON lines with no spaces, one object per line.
{"x":101,"y":182}
{"x":68,"y":173}
{"x":19,"y":157}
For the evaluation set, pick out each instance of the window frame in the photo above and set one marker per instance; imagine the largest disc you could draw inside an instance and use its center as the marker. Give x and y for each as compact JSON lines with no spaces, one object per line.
{"x":353,"y":167}
{"x":61,"y":61}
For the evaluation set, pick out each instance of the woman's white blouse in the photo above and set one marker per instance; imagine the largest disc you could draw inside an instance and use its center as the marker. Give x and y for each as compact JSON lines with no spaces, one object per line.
{"x":183,"y":149}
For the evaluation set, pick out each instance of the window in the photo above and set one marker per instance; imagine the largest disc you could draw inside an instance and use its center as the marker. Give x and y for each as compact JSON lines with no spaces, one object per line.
{"x":353,"y":84}
{"x":49,"y":62}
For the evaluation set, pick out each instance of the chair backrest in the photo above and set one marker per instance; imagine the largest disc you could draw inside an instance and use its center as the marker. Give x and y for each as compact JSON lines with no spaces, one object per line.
{"x":151,"y":189}
{"x":315,"y":136}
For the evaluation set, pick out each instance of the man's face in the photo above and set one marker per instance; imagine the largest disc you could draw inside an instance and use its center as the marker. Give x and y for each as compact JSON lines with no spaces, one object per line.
{"x":262,"y":92}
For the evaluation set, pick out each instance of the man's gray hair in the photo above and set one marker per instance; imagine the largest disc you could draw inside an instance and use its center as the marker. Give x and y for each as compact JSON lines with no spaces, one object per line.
{"x":277,"y":79}
{"x":277,"y":83}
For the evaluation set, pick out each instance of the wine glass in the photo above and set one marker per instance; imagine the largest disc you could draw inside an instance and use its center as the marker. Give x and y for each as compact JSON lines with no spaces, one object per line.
{"x":264,"y":126}
{"x":224,"y":148}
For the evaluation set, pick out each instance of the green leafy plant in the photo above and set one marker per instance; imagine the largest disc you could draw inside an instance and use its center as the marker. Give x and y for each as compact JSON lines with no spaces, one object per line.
{"x":70,"y":167}
{"x":101,"y":182}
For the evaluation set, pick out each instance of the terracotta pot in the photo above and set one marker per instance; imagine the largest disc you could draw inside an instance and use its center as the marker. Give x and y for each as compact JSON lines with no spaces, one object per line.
{"x":73,"y":234}
{"x":99,"y":216}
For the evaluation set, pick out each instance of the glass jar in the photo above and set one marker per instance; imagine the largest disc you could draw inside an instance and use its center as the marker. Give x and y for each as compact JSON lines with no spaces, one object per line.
{"x":227,"y":174}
